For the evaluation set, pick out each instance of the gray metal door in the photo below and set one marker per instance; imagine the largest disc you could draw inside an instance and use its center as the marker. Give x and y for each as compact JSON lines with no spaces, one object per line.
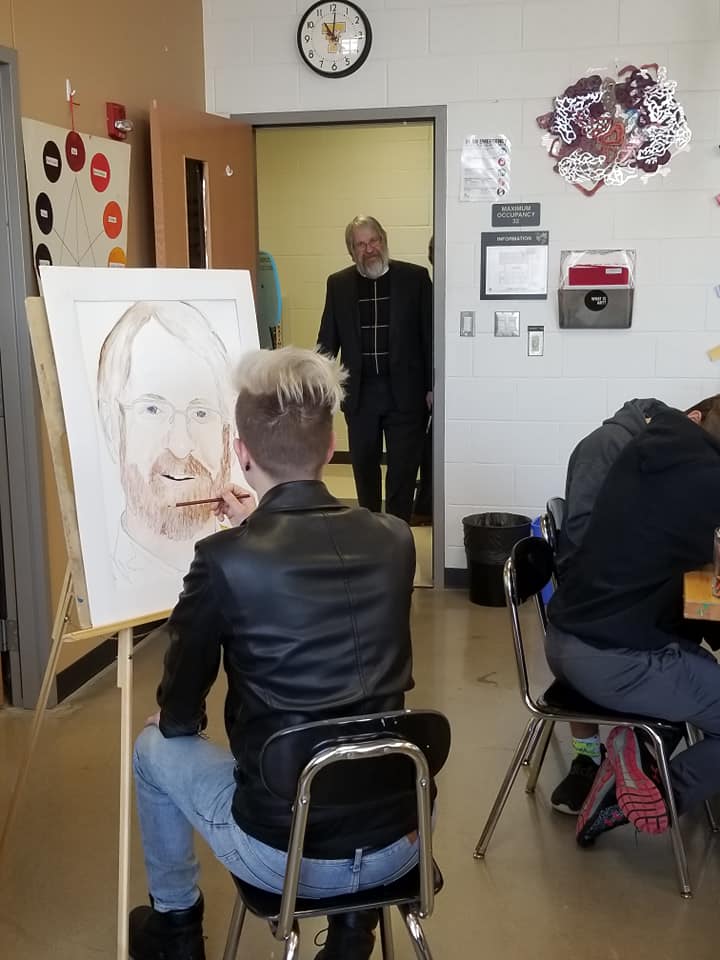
{"x":24,"y":595}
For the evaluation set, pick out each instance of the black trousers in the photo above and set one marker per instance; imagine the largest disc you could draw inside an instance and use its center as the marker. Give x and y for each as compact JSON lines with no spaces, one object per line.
{"x":404,"y":432}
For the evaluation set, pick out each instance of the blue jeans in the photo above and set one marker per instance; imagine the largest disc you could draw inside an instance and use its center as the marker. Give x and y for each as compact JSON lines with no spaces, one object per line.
{"x":187,"y":783}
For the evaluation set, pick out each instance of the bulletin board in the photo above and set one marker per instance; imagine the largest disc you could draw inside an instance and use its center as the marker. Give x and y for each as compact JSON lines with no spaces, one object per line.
{"x":78,"y":188}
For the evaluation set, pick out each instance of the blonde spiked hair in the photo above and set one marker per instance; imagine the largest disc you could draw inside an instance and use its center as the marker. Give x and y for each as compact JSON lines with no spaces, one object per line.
{"x":284,"y":410}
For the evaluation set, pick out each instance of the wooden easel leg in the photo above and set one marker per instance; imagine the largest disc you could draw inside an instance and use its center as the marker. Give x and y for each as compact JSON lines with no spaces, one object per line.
{"x":57,"y":636}
{"x":124,"y":682}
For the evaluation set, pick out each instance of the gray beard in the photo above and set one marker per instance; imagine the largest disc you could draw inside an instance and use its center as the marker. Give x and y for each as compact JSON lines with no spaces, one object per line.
{"x":375,"y":270}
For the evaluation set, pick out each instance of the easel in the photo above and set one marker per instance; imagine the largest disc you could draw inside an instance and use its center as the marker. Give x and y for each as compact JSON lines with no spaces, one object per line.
{"x":73,"y":593}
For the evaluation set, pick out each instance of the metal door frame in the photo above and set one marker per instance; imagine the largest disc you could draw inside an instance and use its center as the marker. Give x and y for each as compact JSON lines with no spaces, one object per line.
{"x":437,"y":115}
{"x":22,"y":497}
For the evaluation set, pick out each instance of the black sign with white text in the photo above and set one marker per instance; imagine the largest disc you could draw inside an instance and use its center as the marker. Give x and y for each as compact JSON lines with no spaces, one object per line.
{"x":516,"y":214}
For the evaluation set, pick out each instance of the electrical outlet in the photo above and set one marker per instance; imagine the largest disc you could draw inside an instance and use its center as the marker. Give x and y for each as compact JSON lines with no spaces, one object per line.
{"x":467,"y":323}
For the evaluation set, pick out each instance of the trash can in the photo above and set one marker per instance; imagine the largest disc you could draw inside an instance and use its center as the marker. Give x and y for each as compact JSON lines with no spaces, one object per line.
{"x":489,"y":538}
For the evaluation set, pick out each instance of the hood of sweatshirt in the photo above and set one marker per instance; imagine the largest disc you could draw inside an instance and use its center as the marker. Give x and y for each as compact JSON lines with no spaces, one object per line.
{"x":633,"y":415}
{"x":672,"y":439}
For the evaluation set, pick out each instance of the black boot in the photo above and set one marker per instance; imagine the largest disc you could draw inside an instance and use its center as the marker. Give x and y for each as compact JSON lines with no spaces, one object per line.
{"x":177,"y":935}
{"x":350,"y":936}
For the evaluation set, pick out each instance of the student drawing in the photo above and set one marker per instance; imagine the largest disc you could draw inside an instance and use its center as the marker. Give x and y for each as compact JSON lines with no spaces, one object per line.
{"x":145,"y":361}
{"x":170,"y":437}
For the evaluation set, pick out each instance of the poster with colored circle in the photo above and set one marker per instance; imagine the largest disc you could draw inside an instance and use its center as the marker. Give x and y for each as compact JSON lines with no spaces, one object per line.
{"x":78,"y":191}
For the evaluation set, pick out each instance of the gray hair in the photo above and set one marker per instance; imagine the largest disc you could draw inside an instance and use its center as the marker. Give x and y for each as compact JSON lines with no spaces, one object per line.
{"x":363,"y":221}
{"x":294,"y":375}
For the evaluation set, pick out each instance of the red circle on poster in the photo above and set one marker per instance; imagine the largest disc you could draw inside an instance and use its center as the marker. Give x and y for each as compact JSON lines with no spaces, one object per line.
{"x":100,"y":172}
{"x":75,"y":151}
{"x":112,"y":219}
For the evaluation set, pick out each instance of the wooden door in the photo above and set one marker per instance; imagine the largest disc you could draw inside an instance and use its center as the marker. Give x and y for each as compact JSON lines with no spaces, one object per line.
{"x":204,"y":194}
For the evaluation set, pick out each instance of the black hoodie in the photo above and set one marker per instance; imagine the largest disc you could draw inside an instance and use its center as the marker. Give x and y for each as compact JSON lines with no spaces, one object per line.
{"x":653,"y":520}
{"x":588,"y":466}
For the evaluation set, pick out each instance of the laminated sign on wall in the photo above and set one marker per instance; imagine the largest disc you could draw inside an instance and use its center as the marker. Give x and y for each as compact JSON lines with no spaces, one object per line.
{"x":485,"y":168}
{"x":78,"y":195}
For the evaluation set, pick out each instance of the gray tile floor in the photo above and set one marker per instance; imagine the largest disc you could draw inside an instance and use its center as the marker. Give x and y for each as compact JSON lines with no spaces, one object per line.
{"x":536,"y":896}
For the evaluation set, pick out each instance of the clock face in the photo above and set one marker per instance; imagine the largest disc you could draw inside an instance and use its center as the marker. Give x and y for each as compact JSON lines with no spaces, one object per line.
{"x":334,"y":38}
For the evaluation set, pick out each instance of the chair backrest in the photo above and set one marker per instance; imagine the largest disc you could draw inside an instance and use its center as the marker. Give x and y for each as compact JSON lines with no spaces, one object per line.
{"x":527,"y":570}
{"x":556,"y":508}
{"x":285,"y":755}
{"x":552,"y":521}
{"x":347,"y":761}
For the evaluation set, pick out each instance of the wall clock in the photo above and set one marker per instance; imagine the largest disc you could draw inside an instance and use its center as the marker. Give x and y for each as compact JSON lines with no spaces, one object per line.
{"x":334,"y":38}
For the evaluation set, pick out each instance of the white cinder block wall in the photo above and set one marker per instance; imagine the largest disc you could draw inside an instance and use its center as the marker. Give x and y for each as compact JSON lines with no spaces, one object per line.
{"x":511,"y":419}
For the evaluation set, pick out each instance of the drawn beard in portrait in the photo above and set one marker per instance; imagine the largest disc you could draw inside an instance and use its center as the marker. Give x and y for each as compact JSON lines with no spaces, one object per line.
{"x":153,"y":498}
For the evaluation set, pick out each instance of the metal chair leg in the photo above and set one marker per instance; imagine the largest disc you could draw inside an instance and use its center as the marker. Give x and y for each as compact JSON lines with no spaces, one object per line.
{"x":540,"y":754}
{"x":386,"y":937}
{"x":675,"y":834}
{"x":692,"y":736}
{"x":292,"y":944}
{"x":505,"y":789}
{"x":539,"y":727}
{"x":232,"y":944}
{"x":417,"y":935}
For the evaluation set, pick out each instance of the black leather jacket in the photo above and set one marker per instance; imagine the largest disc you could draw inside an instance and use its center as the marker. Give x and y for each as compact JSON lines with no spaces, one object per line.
{"x":309,"y":603}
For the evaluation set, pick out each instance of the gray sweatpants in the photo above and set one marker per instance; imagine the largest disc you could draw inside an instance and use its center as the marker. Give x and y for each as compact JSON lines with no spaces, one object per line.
{"x":679,"y":682}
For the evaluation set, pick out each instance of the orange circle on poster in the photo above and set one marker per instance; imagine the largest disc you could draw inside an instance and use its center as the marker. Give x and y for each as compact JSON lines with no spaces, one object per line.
{"x":112,"y":219}
{"x":116,"y":257}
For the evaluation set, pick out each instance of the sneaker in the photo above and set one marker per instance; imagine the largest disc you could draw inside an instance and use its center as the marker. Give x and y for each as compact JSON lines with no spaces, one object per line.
{"x":570,"y":794}
{"x":177,"y":935}
{"x":601,"y":811}
{"x":636,"y":782}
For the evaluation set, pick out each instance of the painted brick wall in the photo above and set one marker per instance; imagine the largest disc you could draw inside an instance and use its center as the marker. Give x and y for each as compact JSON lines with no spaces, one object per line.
{"x":512,"y":420}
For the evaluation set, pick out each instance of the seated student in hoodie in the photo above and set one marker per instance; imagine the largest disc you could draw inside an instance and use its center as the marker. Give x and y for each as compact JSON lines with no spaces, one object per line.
{"x":588,"y":466}
{"x":617,"y":633}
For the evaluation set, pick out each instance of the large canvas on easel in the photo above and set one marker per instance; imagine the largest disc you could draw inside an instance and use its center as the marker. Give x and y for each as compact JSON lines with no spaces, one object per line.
{"x":144,"y":362}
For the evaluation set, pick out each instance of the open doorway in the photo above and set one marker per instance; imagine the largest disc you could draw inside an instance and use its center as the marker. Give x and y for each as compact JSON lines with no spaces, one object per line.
{"x":311,"y":181}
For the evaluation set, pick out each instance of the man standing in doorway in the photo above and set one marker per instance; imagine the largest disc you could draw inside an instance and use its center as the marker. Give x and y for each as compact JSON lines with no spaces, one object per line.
{"x":378,"y":316}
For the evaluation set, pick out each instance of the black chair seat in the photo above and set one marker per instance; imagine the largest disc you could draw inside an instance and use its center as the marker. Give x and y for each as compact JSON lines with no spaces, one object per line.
{"x":560,"y":697}
{"x":404,"y":890}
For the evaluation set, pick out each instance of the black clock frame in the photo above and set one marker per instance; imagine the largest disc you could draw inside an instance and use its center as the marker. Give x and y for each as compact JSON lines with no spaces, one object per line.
{"x":339,"y":74}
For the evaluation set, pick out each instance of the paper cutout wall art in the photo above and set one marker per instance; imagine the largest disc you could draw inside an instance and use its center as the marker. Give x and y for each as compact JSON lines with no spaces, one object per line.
{"x":78,"y":189}
{"x":606,"y":131}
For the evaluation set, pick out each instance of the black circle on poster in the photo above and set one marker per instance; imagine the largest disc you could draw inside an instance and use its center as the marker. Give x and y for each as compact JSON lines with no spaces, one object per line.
{"x":52,"y":161}
{"x":42,"y":257}
{"x":44,"y":213}
{"x":596,"y":300}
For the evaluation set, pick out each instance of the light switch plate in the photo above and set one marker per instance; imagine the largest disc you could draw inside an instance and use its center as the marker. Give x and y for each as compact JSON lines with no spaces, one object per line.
{"x":467,"y":323}
{"x":507,"y":323}
{"x":536,"y":341}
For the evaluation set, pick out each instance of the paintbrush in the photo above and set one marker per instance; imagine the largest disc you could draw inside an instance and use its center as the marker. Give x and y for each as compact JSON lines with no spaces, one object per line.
{"x":193,"y":503}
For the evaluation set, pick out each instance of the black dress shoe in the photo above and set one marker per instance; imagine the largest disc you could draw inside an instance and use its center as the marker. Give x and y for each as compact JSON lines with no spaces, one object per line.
{"x":176,"y":935}
{"x":350,"y":936}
